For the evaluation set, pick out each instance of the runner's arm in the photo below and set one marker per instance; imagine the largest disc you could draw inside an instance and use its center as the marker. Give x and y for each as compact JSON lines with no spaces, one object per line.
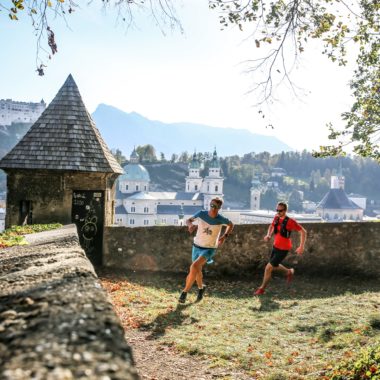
{"x":229,"y":229}
{"x":190,"y":226}
{"x":301,"y":247}
{"x":269,"y":233}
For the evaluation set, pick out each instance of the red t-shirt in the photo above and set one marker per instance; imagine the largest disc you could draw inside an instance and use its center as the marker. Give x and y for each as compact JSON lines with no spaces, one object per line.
{"x":281,"y":242}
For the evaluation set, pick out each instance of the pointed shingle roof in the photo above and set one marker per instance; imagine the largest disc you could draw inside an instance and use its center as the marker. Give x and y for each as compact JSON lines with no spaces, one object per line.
{"x":337,"y":199}
{"x":63,"y":138}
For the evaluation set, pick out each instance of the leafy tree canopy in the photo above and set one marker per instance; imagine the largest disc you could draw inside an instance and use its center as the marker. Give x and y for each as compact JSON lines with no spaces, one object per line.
{"x":147,"y":153}
{"x":286,"y":27}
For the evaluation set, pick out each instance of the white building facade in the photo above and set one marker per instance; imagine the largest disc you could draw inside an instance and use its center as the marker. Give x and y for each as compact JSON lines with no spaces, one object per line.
{"x":136,"y":206}
{"x":20,"y":112}
{"x":336,"y":206}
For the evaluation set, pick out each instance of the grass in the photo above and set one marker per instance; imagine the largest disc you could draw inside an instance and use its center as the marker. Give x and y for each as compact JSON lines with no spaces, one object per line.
{"x":297,"y":332}
{"x":14,"y":235}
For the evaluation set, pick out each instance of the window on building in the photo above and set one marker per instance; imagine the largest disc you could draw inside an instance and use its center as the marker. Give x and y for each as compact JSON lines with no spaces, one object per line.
{"x":216,"y":188}
{"x":131,"y":221}
{"x":163,"y":221}
{"x":196,"y":187}
{"x":137,"y":187}
{"x":133,"y":209}
{"x":126,"y":187}
{"x":208,"y":188}
{"x":145,"y":188}
{"x":146,"y":209}
{"x":188,"y":187}
{"x":146,"y":222}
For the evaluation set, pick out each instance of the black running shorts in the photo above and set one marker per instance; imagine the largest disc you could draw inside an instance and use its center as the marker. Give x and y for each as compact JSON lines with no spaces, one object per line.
{"x":277,"y":256}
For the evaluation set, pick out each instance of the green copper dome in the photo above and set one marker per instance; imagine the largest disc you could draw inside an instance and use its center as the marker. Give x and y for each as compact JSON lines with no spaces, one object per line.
{"x":194,"y":163}
{"x":214,"y":163}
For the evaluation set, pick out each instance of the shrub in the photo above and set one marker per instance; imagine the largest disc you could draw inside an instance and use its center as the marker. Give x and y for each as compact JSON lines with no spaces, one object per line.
{"x":367,"y":366}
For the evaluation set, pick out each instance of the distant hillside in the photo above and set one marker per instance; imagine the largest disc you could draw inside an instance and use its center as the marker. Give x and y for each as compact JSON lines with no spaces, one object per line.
{"x":10,"y":136}
{"x":124,"y":130}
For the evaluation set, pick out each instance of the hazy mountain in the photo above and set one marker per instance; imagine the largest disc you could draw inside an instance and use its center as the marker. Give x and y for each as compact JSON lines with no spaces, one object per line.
{"x":124,"y":130}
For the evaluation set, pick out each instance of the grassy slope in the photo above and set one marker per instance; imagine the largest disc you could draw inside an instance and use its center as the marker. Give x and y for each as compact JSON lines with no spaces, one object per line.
{"x":297,"y":332}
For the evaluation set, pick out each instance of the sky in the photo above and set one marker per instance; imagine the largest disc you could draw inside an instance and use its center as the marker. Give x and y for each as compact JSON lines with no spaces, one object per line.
{"x":196,"y":76}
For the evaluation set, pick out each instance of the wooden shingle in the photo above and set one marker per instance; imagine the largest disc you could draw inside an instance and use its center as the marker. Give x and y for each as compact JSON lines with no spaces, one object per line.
{"x":63,"y":138}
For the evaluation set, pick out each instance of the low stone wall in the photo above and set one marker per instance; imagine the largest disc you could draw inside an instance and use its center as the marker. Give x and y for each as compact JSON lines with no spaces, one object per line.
{"x":55,"y":319}
{"x":331,"y":248}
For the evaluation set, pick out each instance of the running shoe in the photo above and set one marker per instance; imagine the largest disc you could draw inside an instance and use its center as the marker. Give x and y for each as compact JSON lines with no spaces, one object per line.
{"x":201,"y":293}
{"x":259,"y":292}
{"x":290,"y":275}
{"x":182,"y":297}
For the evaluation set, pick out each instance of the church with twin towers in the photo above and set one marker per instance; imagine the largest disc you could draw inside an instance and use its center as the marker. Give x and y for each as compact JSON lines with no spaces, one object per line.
{"x":137,"y":206}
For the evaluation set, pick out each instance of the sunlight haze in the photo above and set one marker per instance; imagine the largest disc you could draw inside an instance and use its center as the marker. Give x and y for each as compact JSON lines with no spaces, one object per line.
{"x":194,"y":77}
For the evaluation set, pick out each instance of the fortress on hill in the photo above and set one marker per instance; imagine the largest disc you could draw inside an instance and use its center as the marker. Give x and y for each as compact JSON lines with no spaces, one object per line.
{"x":20,"y":112}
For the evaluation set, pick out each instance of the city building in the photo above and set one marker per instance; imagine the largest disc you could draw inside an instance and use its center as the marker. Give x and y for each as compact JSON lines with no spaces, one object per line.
{"x":278,"y":172}
{"x":20,"y":112}
{"x":336,"y":205}
{"x":137,"y":206}
{"x":360,"y":200}
{"x":255,"y":192}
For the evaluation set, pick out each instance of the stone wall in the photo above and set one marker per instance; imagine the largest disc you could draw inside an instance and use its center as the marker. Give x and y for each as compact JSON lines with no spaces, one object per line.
{"x":51,"y":194}
{"x":55,"y":319}
{"x":331,"y":248}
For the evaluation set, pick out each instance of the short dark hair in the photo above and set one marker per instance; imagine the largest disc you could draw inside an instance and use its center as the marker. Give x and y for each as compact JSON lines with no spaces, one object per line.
{"x":218,"y":201}
{"x":283,"y":204}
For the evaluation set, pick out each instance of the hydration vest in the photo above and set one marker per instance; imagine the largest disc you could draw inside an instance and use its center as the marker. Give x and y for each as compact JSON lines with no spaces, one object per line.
{"x":283,"y":231}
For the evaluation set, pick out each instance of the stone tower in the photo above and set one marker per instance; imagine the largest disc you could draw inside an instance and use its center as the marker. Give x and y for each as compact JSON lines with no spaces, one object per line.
{"x":255,"y":192}
{"x":213,"y":183}
{"x":62,"y":171}
{"x":194,"y":179}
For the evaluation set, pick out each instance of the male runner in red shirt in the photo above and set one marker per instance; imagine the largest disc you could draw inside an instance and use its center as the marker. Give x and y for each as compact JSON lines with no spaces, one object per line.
{"x":281,"y":226}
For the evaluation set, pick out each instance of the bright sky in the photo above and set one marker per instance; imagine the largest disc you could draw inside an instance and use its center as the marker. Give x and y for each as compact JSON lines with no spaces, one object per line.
{"x":194,"y":77}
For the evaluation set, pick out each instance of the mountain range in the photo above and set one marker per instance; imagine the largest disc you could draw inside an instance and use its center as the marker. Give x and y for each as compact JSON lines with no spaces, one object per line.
{"x":123,"y":130}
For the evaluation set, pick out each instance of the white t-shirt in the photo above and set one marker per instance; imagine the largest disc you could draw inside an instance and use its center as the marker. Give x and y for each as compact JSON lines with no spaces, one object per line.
{"x":209,"y":228}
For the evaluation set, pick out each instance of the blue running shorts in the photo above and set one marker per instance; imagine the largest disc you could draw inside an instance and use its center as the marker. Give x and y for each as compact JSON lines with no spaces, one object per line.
{"x":207,"y":253}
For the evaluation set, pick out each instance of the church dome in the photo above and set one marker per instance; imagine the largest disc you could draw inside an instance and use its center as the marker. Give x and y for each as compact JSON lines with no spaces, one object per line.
{"x":134,"y":172}
{"x":214,"y":163}
{"x":194,"y":163}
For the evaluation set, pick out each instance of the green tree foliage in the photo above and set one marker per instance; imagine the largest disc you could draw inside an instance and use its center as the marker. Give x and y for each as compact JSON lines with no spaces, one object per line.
{"x":174,"y":158}
{"x":295,"y":201}
{"x":283,"y":28}
{"x":147,"y":153}
{"x":184,"y":157}
{"x":304,"y":173}
{"x":269,"y":199}
{"x":43,"y":14}
{"x":120,"y":158}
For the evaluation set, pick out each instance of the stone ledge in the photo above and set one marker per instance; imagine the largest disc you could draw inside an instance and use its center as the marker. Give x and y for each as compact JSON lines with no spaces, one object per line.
{"x":55,"y":319}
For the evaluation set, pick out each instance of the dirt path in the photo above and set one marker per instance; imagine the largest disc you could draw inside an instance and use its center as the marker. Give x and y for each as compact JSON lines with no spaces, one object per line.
{"x":156,"y":362}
